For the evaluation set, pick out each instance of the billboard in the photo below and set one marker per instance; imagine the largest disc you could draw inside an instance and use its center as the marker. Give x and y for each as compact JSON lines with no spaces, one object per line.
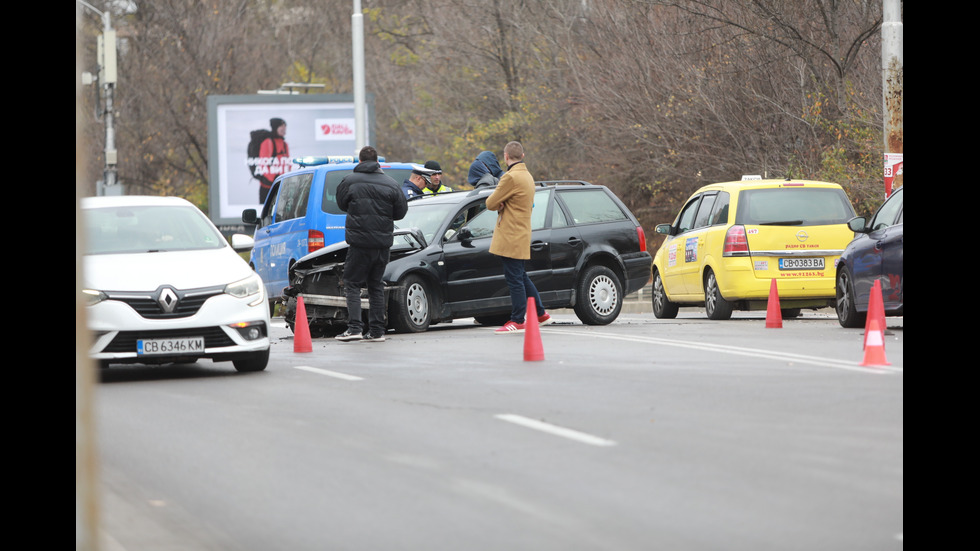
{"x":253,"y":139}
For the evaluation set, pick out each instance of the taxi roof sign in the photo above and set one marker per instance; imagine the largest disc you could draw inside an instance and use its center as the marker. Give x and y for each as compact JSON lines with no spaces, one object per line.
{"x":751,"y":177}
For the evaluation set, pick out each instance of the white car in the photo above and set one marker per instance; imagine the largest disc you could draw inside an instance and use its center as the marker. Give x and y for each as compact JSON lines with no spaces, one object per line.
{"x":164,"y":286}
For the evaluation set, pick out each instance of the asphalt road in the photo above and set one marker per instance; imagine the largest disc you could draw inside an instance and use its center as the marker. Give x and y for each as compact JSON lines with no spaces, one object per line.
{"x":645,"y":434}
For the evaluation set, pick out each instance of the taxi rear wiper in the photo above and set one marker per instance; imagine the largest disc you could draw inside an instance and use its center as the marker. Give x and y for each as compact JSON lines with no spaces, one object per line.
{"x":783,"y":223}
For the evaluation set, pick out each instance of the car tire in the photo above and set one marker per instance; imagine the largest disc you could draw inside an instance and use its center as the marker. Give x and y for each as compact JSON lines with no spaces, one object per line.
{"x":411,"y":309}
{"x":255,"y":362}
{"x":847,"y":314}
{"x":599,"y":297}
{"x":715,"y":305}
{"x":663,"y":308}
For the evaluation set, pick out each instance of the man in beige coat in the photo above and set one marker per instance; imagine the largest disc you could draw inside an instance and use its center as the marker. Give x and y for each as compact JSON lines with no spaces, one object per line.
{"x":513,"y":199}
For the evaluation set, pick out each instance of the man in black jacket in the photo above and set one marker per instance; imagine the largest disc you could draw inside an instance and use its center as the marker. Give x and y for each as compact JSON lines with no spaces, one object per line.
{"x":372,"y":201}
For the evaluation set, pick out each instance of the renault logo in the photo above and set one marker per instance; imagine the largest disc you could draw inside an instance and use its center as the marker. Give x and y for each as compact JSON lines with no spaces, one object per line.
{"x":167,"y":300}
{"x":802,"y":236}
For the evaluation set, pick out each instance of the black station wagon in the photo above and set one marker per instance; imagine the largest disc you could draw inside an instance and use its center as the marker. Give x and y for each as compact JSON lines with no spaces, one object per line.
{"x":587,"y":252}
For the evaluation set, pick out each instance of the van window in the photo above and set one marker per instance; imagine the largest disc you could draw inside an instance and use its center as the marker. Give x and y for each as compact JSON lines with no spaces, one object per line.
{"x":269,"y":208}
{"x":591,"y":206}
{"x":334,"y":177}
{"x":294,"y":193}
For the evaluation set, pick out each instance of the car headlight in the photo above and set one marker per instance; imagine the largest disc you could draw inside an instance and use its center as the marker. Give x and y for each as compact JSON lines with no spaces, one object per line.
{"x":93,"y":297}
{"x":250,"y":286}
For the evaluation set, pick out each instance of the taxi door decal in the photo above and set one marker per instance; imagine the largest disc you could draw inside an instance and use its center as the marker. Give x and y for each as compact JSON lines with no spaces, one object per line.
{"x":691,"y":249}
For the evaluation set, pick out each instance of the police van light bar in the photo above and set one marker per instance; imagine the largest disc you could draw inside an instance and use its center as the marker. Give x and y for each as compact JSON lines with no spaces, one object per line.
{"x":311,"y":160}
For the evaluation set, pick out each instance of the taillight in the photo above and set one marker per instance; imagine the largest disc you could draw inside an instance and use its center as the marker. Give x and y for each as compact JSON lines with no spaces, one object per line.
{"x":643,"y":238}
{"x":314,"y":240}
{"x":736,"y":244}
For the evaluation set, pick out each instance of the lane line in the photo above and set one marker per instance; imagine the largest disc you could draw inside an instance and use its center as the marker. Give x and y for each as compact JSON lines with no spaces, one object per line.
{"x":333,"y":374}
{"x":742,"y":351}
{"x":555,"y":430}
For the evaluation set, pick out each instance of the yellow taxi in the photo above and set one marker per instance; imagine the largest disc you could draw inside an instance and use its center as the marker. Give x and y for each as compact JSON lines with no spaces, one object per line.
{"x":732,"y":239}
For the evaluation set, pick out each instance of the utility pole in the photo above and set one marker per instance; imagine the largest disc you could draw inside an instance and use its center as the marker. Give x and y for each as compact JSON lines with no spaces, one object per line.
{"x":360,"y":111}
{"x":106,"y":55}
{"x":107,"y":80}
{"x":892,"y":69}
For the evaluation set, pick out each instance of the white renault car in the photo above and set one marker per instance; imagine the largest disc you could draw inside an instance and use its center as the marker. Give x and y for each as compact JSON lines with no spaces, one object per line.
{"x":164,"y":286}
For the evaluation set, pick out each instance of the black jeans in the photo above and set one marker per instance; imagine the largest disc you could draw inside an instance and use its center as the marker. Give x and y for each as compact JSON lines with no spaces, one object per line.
{"x":364,"y":268}
{"x":521,"y":288}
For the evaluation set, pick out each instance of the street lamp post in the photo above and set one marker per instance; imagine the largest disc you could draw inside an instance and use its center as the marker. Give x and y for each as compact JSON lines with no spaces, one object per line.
{"x":107,"y":81}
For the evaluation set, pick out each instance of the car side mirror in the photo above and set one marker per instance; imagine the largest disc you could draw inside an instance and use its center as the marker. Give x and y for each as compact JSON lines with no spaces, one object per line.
{"x":241,"y":242}
{"x":665,"y":229}
{"x":249,"y":216}
{"x":465,"y":234}
{"x":858,"y":224}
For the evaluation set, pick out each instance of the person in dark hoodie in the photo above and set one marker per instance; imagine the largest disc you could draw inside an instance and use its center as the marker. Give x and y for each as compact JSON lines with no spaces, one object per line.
{"x":372,"y":201}
{"x":485,"y":170}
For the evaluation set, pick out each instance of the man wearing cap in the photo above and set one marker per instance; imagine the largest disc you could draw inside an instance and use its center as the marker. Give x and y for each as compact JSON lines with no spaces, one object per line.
{"x":417,"y":181}
{"x":434,"y":185}
{"x":372,"y":202}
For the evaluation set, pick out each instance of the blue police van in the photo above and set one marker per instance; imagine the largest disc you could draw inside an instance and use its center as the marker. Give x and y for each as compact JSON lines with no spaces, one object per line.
{"x":301,"y":215}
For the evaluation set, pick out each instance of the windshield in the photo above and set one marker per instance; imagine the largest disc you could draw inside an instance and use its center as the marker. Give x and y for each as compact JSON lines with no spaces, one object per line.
{"x":426,"y":217}
{"x":138,"y":229}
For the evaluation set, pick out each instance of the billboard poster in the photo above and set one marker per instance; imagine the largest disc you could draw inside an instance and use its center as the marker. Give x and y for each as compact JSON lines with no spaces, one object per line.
{"x":253,"y":139}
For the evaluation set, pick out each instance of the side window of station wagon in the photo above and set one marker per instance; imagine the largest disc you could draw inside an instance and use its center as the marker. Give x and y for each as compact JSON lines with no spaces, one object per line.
{"x":591,"y":206}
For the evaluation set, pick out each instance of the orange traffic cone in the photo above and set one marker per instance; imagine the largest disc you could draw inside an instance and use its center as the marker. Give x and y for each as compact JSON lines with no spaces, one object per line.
{"x":533,"y":350}
{"x":301,"y":329}
{"x":876,"y":308}
{"x":774,"y":314}
{"x":874,"y":346}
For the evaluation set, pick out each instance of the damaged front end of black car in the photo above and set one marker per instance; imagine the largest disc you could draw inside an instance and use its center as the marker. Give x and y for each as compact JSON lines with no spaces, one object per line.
{"x":319,"y":278}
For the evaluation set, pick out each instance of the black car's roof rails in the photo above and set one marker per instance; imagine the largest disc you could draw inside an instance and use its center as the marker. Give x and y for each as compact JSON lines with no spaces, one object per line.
{"x":561,"y":182}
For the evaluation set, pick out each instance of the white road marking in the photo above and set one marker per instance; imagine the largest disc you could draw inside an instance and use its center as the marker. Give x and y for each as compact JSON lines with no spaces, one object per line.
{"x":740,"y":351}
{"x":554,"y":429}
{"x":334,"y":374}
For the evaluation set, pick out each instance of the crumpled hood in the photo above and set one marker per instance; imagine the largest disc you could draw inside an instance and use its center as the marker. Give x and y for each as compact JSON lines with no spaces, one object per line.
{"x":148,"y":271}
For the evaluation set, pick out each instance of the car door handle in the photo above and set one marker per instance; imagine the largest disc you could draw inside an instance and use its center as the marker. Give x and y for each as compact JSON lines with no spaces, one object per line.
{"x":538,"y":245}
{"x":574,"y":241}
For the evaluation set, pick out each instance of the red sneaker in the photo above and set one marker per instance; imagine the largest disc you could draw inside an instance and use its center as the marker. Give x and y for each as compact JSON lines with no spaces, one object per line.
{"x":510,"y":327}
{"x":545,"y":319}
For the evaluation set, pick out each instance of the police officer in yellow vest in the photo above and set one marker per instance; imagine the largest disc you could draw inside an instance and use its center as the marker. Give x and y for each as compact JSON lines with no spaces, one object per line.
{"x":434,"y":183}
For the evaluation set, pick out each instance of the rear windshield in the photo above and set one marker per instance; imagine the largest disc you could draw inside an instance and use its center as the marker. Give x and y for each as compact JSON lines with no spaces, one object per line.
{"x":334,"y":177}
{"x":793,"y":206}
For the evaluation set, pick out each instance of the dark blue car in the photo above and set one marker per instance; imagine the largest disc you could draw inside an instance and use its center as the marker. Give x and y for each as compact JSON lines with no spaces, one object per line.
{"x":876,"y":253}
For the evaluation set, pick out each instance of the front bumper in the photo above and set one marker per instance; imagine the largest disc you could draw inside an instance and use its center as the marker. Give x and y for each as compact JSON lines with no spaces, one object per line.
{"x":229,"y":326}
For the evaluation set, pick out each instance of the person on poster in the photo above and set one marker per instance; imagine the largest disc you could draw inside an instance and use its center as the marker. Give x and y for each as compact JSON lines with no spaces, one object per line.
{"x":272,"y":157}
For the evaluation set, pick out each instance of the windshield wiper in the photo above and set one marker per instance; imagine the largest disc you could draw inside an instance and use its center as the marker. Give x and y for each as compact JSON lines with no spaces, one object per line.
{"x":783,"y":223}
